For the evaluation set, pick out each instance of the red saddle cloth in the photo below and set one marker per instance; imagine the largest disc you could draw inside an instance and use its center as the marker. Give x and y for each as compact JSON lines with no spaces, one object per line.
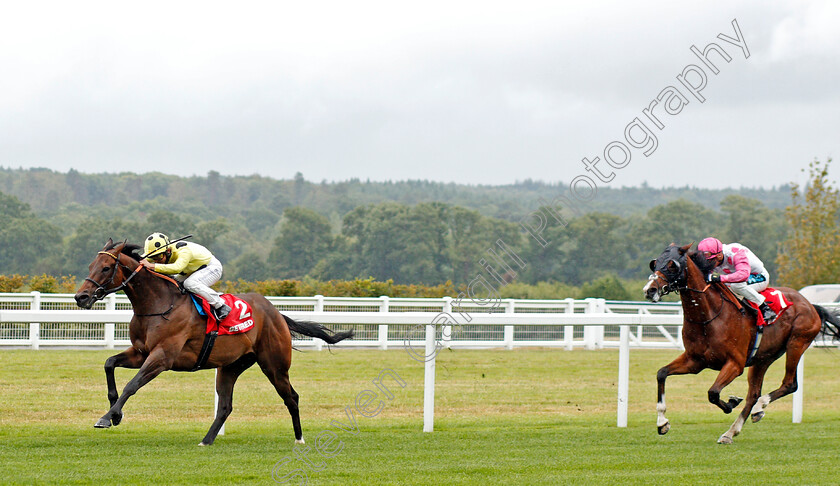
{"x":775,"y":299}
{"x":239,"y":320}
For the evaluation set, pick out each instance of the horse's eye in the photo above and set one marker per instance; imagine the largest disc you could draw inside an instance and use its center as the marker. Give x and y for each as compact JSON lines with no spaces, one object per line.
{"x":105,"y":269}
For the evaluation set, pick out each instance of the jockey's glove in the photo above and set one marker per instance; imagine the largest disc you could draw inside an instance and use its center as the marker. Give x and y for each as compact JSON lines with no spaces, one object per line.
{"x":713,"y":278}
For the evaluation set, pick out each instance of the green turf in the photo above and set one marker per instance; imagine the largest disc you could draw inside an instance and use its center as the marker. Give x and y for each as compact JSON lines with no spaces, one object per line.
{"x":503,"y":417}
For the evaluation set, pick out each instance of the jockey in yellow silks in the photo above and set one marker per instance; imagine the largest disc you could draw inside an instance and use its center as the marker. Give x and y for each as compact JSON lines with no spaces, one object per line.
{"x":187,"y":262}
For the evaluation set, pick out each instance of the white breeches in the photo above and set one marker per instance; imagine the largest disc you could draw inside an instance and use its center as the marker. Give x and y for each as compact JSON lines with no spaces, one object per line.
{"x":750,"y":291}
{"x":199,"y":282}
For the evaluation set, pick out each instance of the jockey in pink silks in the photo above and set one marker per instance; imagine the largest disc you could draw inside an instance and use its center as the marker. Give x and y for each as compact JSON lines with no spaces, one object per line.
{"x":740,"y":270}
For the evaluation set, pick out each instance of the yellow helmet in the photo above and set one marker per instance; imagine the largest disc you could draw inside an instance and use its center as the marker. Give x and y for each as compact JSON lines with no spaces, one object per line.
{"x":156,"y":244}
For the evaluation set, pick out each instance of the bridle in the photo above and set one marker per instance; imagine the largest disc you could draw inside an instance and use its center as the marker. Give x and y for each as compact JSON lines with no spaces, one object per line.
{"x":101,"y":290}
{"x":670,"y":286}
{"x":675,"y":286}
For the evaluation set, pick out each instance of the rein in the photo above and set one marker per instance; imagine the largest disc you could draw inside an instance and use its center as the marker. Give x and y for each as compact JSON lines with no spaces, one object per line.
{"x":703,"y":291}
{"x":171,"y":303}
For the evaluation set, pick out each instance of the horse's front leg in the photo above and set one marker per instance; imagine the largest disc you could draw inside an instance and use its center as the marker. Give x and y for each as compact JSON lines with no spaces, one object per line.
{"x":756,"y":380}
{"x":155,"y":363}
{"x":130,"y":358}
{"x":680,"y":366}
{"x":730,"y":370}
{"x":728,"y":373}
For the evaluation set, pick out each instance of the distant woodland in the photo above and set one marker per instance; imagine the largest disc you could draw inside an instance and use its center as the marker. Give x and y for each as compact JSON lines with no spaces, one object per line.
{"x":410,"y":232}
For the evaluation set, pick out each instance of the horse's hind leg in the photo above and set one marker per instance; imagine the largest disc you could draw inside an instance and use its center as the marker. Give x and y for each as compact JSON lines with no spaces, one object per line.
{"x":795,"y":349}
{"x":225,"y":381}
{"x":680,"y":366}
{"x":130,"y":358}
{"x":756,"y":380}
{"x":280,"y":380}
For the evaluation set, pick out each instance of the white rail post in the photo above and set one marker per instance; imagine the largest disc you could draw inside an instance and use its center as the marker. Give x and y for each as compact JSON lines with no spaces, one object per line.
{"x":319,"y":307}
{"x":110,"y":304}
{"x":216,"y":401}
{"x":796,"y":415}
{"x":569,"y":331}
{"x":623,"y":375}
{"x":509,"y":309}
{"x":35,"y":327}
{"x":383,"y":328}
{"x":446,"y":330}
{"x":593,"y":336}
{"x":429,"y":385}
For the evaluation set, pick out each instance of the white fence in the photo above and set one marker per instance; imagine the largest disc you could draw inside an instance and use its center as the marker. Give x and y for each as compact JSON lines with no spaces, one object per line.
{"x":52,"y":320}
{"x":421,"y":326}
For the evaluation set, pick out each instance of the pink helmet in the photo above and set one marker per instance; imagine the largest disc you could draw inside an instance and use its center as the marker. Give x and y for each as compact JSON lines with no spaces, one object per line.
{"x":710,"y":246}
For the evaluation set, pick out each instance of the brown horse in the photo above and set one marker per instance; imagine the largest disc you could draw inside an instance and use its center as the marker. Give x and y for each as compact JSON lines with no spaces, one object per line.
{"x":167,"y":333}
{"x":718,"y":335}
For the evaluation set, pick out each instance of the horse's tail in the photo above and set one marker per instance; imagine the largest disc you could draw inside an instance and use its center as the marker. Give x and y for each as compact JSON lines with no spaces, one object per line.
{"x":313,"y":329}
{"x":830,"y":322}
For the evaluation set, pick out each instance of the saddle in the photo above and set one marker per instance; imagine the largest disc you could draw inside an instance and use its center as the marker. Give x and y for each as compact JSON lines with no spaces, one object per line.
{"x":774,"y":298}
{"x":238,"y":321}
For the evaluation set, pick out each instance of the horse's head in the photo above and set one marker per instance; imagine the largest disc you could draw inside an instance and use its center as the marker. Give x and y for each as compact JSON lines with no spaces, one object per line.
{"x":668,"y":272}
{"x":108,"y":273}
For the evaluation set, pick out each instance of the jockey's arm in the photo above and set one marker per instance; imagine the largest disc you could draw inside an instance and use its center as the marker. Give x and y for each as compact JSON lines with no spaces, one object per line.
{"x":182,"y":259}
{"x":742,"y":269}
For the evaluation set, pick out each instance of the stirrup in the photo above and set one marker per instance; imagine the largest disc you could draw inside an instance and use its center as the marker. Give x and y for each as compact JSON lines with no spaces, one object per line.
{"x":767,"y":313}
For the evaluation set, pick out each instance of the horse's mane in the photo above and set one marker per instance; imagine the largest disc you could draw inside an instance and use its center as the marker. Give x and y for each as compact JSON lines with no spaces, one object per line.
{"x":130,"y":249}
{"x":704,"y":264}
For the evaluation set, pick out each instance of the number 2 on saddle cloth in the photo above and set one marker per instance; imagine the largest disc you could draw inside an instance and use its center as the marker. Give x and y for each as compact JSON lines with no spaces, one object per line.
{"x":239,"y":320}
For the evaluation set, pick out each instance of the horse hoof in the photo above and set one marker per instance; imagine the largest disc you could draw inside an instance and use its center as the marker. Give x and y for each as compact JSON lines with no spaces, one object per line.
{"x":757,"y":416}
{"x":724,"y":439}
{"x":103,"y":423}
{"x":663,"y":429}
{"x":300,"y":441}
{"x":734,"y":401}
{"x":202,"y":444}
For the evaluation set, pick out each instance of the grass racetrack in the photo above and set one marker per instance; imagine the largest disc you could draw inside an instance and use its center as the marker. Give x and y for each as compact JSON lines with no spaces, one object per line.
{"x":531,"y":416}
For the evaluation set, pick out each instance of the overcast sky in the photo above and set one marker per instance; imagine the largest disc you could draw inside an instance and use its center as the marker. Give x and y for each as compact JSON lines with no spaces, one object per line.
{"x":475,"y":92}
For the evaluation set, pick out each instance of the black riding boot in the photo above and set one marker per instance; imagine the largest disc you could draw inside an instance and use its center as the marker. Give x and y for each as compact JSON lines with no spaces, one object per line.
{"x":222,"y":312}
{"x":767,"y":312}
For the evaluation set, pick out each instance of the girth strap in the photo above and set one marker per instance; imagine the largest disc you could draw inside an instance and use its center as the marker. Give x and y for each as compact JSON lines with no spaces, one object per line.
{"x":756,"y":343}
{"x":206,"y":348}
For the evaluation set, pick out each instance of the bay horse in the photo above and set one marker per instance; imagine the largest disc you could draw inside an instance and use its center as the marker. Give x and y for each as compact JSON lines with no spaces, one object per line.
{"x":718,"y":335}
{"x":167,"y":333}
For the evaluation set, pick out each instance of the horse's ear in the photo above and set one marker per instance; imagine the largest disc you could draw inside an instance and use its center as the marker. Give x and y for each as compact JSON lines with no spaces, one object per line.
{"x":684,"y":249}
{"x":652,"y":265}
{"x":108,"y":243}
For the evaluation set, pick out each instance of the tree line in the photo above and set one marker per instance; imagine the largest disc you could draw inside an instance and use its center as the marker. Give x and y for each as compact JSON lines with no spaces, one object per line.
{"x":427,"y":243}
{"x":262,"y":235}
